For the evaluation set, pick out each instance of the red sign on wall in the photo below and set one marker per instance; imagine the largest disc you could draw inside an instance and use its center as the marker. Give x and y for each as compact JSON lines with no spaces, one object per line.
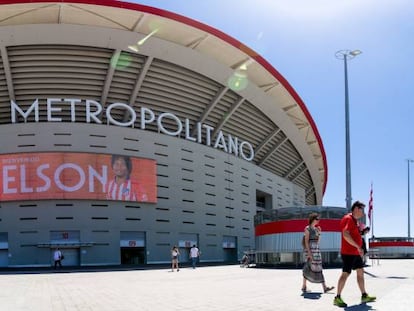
{"x":57,"y":175}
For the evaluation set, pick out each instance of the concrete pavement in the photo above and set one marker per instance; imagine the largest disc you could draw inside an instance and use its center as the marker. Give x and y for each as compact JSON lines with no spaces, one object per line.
{"x":224,"y":288}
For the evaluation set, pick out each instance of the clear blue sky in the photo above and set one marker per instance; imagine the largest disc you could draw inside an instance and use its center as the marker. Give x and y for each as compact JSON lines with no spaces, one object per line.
{"x":299,"y":38}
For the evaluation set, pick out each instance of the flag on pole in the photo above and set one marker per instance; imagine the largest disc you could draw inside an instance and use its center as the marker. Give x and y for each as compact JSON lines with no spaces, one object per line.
{"x":370,"y":206}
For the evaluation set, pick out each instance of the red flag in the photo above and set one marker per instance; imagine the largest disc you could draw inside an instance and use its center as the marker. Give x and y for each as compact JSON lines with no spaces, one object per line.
{"x":370,"y":205}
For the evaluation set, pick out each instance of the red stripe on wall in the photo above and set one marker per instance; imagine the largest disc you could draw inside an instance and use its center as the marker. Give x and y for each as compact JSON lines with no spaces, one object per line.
{"x":295,"y":225}
{"x":390,"y":243}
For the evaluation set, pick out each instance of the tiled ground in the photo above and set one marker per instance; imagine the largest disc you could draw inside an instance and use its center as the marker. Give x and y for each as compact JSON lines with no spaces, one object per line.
{"x":222,"y":288}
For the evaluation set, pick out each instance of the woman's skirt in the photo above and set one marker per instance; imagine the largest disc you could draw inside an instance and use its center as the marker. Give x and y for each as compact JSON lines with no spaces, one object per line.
{"x":312,"y":269}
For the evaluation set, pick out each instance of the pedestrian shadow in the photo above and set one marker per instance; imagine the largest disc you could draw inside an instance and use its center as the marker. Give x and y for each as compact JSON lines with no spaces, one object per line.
{"x":359,"y":307}
{"x":370,"y":274}
{"x":312,"y":295}
{"x":387,"y":277}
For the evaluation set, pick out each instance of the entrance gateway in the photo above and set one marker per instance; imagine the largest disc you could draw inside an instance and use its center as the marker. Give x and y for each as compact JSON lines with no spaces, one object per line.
{"x":230,"y":248}
{"x":185,"y":242}
{"x":4,"y":249}
{"x":132,"y":245}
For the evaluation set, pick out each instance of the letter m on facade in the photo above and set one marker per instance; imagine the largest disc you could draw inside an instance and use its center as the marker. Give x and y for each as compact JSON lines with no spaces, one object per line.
{"x":15,"y":108}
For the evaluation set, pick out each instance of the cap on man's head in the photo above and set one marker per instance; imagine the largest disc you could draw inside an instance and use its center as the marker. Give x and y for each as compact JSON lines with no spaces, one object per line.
{"x":358,"y":204}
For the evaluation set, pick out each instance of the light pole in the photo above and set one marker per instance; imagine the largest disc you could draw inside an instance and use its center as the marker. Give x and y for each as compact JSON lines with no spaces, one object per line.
{"x":408,"y":167}
{"x":345,"y":55}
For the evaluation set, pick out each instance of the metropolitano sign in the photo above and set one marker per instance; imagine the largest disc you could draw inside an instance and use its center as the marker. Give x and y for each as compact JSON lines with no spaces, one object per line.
{"x":94,"y":109}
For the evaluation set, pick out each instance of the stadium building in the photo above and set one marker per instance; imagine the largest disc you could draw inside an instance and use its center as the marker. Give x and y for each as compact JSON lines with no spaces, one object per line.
{"x":126,"y":130}
{"x":391,"y":247}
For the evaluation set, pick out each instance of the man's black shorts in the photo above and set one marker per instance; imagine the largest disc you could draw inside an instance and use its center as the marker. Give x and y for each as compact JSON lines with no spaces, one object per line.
{"x":351,"y":262}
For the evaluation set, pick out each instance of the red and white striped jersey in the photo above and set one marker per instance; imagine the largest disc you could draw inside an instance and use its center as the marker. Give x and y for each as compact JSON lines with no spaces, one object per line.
{"x":126,"y":191}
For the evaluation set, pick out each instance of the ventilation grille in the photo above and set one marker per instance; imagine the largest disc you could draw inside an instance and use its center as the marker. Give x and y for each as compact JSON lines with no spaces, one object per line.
{"x":249,"y":124}
{"x":126,"y":73}
{"x":4,"y":96}
{"x":170,"y":88}
{"x":58,"y":71}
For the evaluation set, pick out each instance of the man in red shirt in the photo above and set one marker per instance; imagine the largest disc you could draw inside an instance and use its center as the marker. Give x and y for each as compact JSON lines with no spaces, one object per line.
{"x":352,"y":253}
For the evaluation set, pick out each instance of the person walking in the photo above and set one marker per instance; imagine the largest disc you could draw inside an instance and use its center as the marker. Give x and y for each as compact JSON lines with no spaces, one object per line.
{"x":194,"y":253}
{"x":174,"y":258}
{"x":245,"y":261}
{"x":57,"y":257}
{"x":364,"y":231}
{"x":312,"y":270}
{"x":352,"y":254}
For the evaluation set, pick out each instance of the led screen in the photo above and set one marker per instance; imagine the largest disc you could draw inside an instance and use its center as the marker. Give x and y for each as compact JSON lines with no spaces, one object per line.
{"x":58,"y":175}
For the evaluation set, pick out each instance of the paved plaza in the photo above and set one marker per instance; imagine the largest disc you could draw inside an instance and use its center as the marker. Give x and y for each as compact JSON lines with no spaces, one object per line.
{"x":205,"y":288}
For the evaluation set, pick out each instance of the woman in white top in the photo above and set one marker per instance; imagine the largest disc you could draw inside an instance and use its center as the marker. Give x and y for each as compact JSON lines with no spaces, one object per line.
{"x":174,"y":258}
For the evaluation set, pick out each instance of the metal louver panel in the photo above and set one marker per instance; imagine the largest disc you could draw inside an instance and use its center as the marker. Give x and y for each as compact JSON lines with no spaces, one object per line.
{"x":125,"y":77}
{"x":126,"y":73}
{"x":266,"y":149}
{"x":223,"y":106}
{"x":4,"y":96}
{"x":60,"y":71}
{"x":283,"y":159}
{"x":249,"y":124}
{"x":170,"y":88}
